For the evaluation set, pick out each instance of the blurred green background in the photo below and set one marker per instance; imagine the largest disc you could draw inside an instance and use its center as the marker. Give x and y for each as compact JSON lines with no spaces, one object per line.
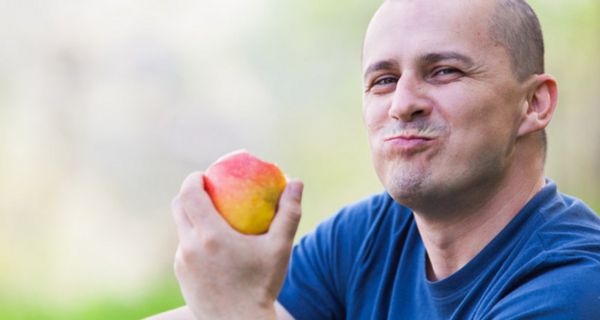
{"x":105,"y":106}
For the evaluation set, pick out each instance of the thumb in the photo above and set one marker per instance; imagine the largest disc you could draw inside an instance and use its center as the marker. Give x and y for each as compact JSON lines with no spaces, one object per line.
{"x":289,"y":211}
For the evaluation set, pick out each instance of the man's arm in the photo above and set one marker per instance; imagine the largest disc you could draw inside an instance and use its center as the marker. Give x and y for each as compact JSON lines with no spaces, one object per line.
{"x":184,"y":313}
{"x":222,"y":273}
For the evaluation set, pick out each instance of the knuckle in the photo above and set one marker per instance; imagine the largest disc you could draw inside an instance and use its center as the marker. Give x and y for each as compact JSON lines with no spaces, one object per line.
{"x":292,"y":217}
{"x":207,"y":244}
{"x":187,"y":253}
{"x":294,"y":210}
{"x":295,"y":214}
{"x":211,"y":243}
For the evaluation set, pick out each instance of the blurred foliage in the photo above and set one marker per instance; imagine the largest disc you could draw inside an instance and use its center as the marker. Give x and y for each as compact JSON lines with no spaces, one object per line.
{"x":162,"y":295}
{"x":106,"y":106}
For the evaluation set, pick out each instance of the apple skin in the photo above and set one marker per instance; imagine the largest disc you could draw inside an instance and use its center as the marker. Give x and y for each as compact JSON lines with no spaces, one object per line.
{"x":245,"y":190}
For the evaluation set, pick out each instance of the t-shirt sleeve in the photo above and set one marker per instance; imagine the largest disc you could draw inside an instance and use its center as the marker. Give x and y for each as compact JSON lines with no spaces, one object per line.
{"x":309,"y":291}
{"x":568,"y":291}
{"x":316,"y":283}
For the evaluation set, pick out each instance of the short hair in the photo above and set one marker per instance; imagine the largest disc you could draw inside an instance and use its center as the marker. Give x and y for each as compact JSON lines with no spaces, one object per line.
{"x":515,"y":26}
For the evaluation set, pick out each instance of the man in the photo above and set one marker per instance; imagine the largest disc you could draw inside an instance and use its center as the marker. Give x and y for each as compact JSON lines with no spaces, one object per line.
{"x":455,"y":104}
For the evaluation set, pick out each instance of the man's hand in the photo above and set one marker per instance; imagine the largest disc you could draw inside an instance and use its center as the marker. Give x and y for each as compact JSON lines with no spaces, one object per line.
{"x":222,"y":273}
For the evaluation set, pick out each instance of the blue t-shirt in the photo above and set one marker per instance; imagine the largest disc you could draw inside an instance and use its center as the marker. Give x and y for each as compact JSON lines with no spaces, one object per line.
{"x":368,"y":262}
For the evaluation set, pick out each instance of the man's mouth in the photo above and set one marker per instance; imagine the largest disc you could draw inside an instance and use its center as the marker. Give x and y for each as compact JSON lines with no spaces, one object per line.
{"x":408,"y":138}
{"x":409,"y":143}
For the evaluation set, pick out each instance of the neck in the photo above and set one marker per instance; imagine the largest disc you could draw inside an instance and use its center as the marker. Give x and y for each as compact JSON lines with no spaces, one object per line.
{"x":453,"y":237}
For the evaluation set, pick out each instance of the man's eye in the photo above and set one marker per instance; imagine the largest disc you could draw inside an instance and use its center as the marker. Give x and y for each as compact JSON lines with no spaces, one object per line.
{"x":385,"y":81}
{"x":446,"y":72}
{"x":382,"y":85}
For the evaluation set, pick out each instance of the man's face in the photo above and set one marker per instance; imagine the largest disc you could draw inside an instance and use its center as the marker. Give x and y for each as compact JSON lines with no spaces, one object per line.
{"x":441,"y":104}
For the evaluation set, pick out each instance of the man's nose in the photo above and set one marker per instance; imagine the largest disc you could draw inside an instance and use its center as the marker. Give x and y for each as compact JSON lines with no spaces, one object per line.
{"x":409,"y":100}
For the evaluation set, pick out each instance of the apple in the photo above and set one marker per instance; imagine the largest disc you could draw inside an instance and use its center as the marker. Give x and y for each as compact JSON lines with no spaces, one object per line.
{"x":245,"y":190}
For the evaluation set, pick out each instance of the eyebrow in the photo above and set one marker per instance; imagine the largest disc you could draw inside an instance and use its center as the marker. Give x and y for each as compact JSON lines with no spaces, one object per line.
{"x":429,"y":58}
{"x":449,"y":55}
{"x":380,"y":65}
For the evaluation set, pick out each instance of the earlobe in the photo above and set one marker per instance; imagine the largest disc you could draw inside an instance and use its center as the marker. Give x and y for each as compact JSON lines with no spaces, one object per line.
{"x":540,"y":104}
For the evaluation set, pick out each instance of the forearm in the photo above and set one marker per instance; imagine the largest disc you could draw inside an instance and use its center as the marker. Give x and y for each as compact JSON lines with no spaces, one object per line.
{"x":184,"y":313}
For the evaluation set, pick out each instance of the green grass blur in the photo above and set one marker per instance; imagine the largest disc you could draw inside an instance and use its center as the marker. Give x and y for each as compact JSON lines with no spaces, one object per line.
{"x":162,"y":295}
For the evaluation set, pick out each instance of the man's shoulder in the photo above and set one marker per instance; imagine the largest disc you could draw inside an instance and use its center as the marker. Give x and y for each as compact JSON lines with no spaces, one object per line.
{"x":569,"y":225}
{"x":570,"y":238}
{"x":565,"y":284}
{"x":559,"y":205}
{"x":558,"y":271}
{"x":565,"y":233}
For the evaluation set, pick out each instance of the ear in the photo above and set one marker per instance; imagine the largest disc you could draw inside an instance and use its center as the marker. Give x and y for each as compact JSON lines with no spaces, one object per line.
{"x":540,"y":105}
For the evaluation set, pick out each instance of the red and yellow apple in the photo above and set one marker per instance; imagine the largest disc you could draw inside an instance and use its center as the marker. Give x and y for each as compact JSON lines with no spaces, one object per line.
{"x":245,"y":190}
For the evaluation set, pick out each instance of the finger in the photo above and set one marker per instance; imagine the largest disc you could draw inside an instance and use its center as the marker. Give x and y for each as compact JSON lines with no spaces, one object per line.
{"x":182,"y":222}
{"x":197,"y":204}
{"x":289,"y":211}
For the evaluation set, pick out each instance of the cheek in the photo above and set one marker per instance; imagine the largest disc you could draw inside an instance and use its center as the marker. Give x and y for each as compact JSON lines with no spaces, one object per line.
{"x":374,"y":116}
{"x":374,"y":119}
{"x":483,"y":133}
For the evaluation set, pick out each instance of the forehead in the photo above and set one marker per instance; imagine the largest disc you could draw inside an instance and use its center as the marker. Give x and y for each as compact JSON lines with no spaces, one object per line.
{"x":406,"y":28}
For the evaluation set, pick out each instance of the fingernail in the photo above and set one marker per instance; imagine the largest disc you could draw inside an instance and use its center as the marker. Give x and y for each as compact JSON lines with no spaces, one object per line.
{"x":296,"y":188}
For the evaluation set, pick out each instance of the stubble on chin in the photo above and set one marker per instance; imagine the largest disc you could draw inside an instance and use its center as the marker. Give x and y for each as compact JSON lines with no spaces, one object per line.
{"x":406,"y":183}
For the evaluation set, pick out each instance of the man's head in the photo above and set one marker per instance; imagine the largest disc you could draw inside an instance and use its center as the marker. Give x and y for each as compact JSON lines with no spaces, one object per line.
{"x":454,"y":94}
